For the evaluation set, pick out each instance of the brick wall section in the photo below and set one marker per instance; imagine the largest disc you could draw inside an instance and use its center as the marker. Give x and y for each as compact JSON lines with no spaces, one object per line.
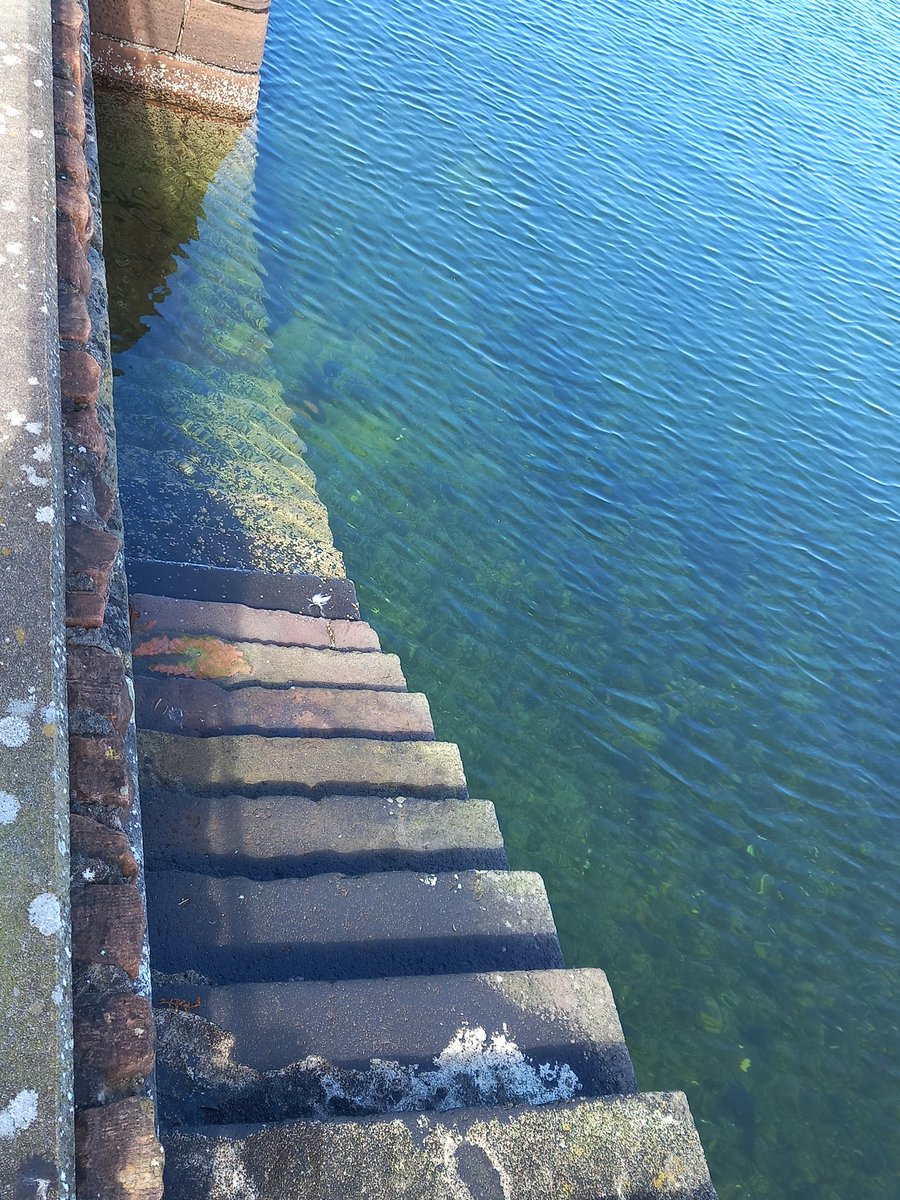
{"x":118,"y":1156}
{"x":203,"y":54}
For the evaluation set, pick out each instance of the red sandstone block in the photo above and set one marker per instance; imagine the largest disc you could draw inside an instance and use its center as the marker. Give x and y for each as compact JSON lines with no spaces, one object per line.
{"x":69,"y":13}
{"x":224,"y":36}
{"x":96,"y":683}
{"x":155,"y":23}
{"x":98,"y":771}
{"x":200,"y":708}
{"x":108,"y":926}
{"x":79,"y":376}
{"x":195,"y":85}
{"x":117,"y":1155}
{"x":93,"y":840}
{"x":159,"y":614}
{"x":104,"y":496}
{"x":72,"y":261}
{"x":68,"y":109}
{"x":73,"y":201}
{"x":91,"y":552}
{"x":68,"y":59}
{"x":74,"y":321}
{"x":85,"y":610}
{"x":233,"y":664}
{"x":114,"y":1042}
{"x":87,"y":436}
{"x":70,"y":160}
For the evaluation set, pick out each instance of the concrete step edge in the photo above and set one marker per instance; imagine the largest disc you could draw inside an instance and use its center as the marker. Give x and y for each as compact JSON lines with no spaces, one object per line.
{"x":277,"y":1051}
{"x":166,"y":614}
{"x":248,"y":763}
{"x":296,"y":836}
{"x":327,"y":927}
{"x":306,"y":595}
{"x":201,"y":708}
{"x":627,"y":1147}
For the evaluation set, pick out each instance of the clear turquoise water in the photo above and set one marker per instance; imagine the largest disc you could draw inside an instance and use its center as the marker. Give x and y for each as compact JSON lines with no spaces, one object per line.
{"x":588,"y":315}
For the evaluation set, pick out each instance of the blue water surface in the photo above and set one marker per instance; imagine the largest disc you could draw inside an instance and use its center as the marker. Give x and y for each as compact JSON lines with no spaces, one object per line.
{"x":588,"y":313}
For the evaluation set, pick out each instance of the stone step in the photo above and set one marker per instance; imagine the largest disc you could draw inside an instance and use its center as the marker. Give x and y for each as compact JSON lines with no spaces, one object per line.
{"x":236,"y":664}
{"x":201,"y":709}
{"x":349,"y":926}
{"x":613,"y":1148}
{"x":279,"y":1051}
{"x":278,"y":836}
{"x":151,"y":615}
{"x":302,"y":766}
{"x":309,"y":595}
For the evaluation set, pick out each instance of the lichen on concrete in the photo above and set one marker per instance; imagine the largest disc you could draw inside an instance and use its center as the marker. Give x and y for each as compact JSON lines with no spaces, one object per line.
{"x":35,"y":1010}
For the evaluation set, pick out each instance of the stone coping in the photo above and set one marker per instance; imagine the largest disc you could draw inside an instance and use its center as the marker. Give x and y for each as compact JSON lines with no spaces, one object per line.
{"x":35,"y":994}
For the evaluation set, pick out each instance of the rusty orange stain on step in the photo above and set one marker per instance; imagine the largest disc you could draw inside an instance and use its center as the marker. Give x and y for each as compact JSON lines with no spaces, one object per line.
{"x":194,"y":657}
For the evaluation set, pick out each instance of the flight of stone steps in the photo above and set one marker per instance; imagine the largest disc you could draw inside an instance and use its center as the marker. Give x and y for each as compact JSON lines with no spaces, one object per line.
{"x":356,"y":999}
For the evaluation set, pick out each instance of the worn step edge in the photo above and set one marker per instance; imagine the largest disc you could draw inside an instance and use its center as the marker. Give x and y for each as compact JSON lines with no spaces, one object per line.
{"x":306,"y":595}
{"x":610,"y":1148}
{"x":244,"y":664}
{"x":281,"y":836}
{"x":301,"y":766}
{"x":279,"y":1051}
{"x":227,"y":930}
{"x":166,"y":614}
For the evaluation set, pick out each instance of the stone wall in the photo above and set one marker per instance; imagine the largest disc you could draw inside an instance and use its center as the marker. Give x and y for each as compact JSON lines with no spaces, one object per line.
{"x":203,"y":54}
{"x":117,"y":1155}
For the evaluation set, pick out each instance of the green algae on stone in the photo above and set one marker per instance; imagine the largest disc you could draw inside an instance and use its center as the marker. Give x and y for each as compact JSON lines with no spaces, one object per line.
{"x":209,"y":454}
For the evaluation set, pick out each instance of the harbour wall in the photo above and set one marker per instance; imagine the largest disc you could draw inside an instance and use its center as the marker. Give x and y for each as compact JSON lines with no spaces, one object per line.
{"x":205,"y":54}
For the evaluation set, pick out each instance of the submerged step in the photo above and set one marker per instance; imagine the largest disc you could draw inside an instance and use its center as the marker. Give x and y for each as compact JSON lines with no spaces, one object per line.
{"x":309,"y":595}
{"x":308,"y":766}
{"x":236,"y":664}
{"x":278,"y":836}
{"x":201,"y":709}
{"x":278,"y":1051}
{"x":614,"y":1148}
{"x":152,"y":615}
{"x":232,"y":929}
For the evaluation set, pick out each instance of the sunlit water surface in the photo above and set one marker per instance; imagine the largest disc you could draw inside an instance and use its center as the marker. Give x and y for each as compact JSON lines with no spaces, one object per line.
{"x":588,"y":313}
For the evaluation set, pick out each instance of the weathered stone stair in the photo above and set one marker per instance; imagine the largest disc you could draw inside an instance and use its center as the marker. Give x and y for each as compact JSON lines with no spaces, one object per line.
{"x":355,"y":997}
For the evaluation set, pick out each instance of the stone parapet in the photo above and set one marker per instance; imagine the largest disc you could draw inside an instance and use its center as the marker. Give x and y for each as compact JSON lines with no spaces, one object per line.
{"x":203,"y":54}
{"x":35,"y":991}
{"x":116,"y":1150}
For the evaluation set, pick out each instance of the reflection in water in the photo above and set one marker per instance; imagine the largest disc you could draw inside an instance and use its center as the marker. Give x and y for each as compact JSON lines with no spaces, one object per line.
{"x":157,"y":163}
{"x":210,"y":462}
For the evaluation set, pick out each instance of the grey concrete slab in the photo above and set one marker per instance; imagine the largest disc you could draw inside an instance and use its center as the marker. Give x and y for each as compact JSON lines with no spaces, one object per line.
{"x":310,"y":595}
{"x":278,"y":836}
{"x":280,"y":1051}
{"x":201,"y":708}
{"x":304,"y":766}
{"x":162,"y":614}
{"x":349,"y":926}
{"x":622,"y":1148}
{"x":35,"y":993}
{"x":238,"y":664}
